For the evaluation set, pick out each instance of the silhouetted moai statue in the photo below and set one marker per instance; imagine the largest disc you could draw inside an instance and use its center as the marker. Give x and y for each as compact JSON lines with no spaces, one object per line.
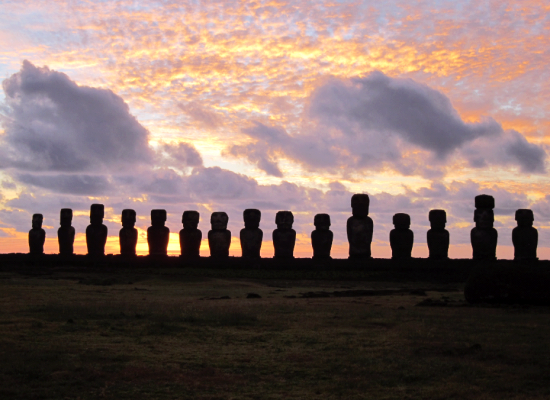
{"x":158,"y":235}
{"x":401,"y":238}
{"x":128,"y":235}
{"x":37,"y":235}
{"x":438,"y":236}
{"x":190,"y":236}
{"x":251,"y":236}
{"x":484,"y":237}
{"x":219,"y":238}
{"x":65,"y":233}
{"x":359,"y":227}
{"x":525,"y":237}
{"x":321,"y":237}
{"x":96,"y":232}
{"x":284,"y":237}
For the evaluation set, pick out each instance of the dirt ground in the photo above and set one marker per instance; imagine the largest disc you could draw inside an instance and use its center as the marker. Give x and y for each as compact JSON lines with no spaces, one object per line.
{"x":207,"y":334}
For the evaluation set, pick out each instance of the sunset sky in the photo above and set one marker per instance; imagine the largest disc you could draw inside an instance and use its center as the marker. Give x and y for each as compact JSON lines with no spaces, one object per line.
{"x":276,"y":105}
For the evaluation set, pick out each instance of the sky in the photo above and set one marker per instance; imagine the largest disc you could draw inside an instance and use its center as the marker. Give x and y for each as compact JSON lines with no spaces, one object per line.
{"x":275,"y":105}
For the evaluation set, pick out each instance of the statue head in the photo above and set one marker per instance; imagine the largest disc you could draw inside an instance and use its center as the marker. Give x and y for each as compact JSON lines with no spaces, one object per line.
{"x":158,"y":218}
{"x":37,"y":221}
{"x":252,"y":218}
{"x":438,"y":219}
{"x":485,"y":201}
{"x":525,"y":217}
{"x":65,"y":217}
{"x":284,"y":220}
{"x":360,"y":205}
{"x":322,"y":222}
{"x":97,"y":212}
{"x":484,"y":218}
{"x":128,"y":218}
{"x":219,"y":220}
{"x":190,"y":219}
{"x":401,"y":221}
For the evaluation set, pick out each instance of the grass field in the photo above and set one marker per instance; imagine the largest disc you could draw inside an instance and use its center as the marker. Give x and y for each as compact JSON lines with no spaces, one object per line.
{"x":190,"y":333}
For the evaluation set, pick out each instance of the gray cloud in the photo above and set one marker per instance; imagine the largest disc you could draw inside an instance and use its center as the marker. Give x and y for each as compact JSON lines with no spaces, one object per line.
{"x":163,"y":181}
{"x":8,"y":185}
{"x":71,"y":139}
{"x":511,"y":148}
{"x":215,"y":184}
{"x":174,"y":177}
{"x":402,"y":107}
{"x":227,"y":191}
{"x":258,"y":153}
{"x":271,"y":142}
{"x":178,"y":155}
{"x":380,"y":122}
{"x":88,"y":185}
{"x":56,"y":125}
{"x":206,"y":118}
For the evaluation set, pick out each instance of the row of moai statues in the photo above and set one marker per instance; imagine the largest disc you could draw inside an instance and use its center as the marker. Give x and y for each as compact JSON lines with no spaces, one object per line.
{"x":359,"y":232}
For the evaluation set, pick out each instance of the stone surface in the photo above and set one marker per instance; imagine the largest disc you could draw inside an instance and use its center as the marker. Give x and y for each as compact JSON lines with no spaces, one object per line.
{"x":96,"y":232}
{"x":219,"y":238}
{"x":359,"y":228}
{"x":438,"y":236}
{"x":484,"y":201}
{"x":484,"y":244}
{"x":401,"y":238}
{"x":525,"y":237}
{"x":251,"y":236}
{"x":321,"y":237}
{"x":37,"y":235}
{"x":484,"y":218}
{"x":158,"y":235}
{"x":484,"y":237}
{"x":190,"y":235}
{"x":284,"y":237}
{"x":128,"y":235}
{"x":66,"y":232}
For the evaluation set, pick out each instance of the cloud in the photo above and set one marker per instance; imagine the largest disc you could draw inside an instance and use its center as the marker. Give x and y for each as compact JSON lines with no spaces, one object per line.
{"x":273,"y":142}
{"x":380,"y":122}
{"x":216,"y":189}
{"x":216,"y":184}
{"x":259,"y":153}
{"x":56,"y":125}
{"x":511,"y":148}
{"x":88,"y":185}
{"x":381,"y":105}
{"x":71,"y":139}
{"x":160,"y":182}
{"x":178,"y":155}
{"x":206,"y":118}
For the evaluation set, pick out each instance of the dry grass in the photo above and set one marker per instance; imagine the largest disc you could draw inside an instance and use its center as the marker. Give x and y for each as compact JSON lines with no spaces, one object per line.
{"x":74,"y":334}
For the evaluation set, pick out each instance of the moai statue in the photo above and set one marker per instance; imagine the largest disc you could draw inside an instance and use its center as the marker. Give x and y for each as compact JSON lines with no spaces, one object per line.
{"x":158,"y":235}
{"x":251,"y":236}
{"x":484,"y":237}
{"x":438,"y":236}
{"x":359,"y":228}
{"x":321,"y":237}
{"x":219,"y":238}
{"x":96,"y":232}
{"x":128,"y":235}
{"x":37,"y":235}
{"x":401,"y":238}
{"x":65,"y":233}
{"x":190,"y":236}
{"x":525,"y":237}
{"x":284,"y":237}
